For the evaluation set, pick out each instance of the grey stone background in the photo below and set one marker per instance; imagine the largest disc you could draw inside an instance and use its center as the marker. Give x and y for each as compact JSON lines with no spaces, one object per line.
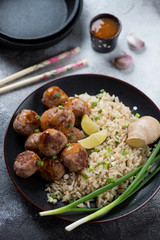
{"x":18,"y":218}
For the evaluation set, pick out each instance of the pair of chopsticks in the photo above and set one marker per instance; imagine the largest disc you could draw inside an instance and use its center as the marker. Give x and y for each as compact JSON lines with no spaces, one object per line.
{"x":43,"y":76}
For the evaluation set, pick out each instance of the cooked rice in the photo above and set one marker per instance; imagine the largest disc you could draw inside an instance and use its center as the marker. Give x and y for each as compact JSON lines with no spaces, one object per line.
{"x":114,"y":117}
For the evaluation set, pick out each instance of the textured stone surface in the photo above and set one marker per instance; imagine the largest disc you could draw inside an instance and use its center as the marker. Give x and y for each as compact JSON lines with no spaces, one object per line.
{"x":18,"y":218}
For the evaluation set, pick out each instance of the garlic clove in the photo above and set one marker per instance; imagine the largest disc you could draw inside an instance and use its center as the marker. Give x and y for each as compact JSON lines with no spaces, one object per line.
{"x":123,"y":62}
{"x":134,"y":43}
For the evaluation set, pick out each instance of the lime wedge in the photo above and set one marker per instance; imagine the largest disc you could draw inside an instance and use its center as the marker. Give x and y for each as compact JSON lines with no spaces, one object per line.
{"x":88,"y":126}
{"x":94,"y":140}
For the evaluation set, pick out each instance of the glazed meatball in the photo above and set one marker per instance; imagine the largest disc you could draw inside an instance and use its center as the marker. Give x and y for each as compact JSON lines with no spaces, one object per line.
{"x":79,"y":108}
{"x":74,"y":157}
{"x":54,"y":96}
{"x":43,"y":120}
{"x":52,"y":169}
{"x":74,"y":135}
{"x":32,"y":142}
{"x":61,"y":119}
{"x":25,"y":164}
{"x":51,"y":142}
{"x":26,"y":122}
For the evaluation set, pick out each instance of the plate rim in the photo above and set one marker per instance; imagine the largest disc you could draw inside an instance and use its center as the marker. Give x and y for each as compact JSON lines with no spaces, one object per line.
{"x":37,"y":89}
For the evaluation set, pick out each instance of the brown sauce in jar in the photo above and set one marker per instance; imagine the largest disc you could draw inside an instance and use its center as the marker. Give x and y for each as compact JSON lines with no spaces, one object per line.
{"x":104,"y":28}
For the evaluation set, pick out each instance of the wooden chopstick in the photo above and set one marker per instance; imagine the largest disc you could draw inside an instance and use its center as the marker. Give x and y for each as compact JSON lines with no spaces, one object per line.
{"x":39,"y":65}
{"x":44,"y":76}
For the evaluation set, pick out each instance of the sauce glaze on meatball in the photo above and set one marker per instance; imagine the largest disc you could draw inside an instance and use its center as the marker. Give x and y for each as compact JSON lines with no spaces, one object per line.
{"x":54,"y":96}
{"x":26,"y":122}
{"x":74,"y":157}
{"x":51,"y":142}
{"x":52,"y":169}
{"x":61,"y":119}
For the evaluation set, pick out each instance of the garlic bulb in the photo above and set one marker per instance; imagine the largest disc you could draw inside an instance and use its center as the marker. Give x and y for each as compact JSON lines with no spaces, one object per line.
{"x":134,"y":43}
{"x":123,"y":62}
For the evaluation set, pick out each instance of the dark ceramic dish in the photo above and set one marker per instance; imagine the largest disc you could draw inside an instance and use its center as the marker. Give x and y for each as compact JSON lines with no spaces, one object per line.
{"x":29,"y":20}
{"x":33,"y":188}
{"x":50,"y":38}
{"x":104,"y":45}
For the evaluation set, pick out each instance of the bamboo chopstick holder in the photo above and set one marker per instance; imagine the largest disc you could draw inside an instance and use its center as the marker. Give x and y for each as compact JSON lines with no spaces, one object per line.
{"x":39,"y":65}
{"x":44,"y":76}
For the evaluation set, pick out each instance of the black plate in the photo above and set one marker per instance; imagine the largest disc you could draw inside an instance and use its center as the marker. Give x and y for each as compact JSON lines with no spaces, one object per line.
{"x":30,"y":20}
{"x":45,"y":41}
{"x":33,"y":188}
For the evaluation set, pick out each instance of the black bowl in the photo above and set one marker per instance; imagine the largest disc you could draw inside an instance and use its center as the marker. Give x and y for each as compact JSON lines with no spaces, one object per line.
{"x":32,"y":20}
{"x":49,"y":38}
{"x":33,"y":188}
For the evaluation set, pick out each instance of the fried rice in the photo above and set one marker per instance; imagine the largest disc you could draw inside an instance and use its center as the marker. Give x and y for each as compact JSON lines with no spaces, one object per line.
{"x":110,"y":161}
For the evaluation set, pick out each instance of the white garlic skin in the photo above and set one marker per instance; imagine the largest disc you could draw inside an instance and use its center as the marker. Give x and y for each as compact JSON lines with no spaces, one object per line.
{"x":123,"y":62}
{"x":135,"y":43}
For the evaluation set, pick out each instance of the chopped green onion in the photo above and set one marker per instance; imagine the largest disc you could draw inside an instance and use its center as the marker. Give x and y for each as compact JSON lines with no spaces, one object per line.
{"x":54,"y":196}
{"x":100,"y":163}
{"x":94,"y":104}
{"x":59,"y":95}
{"x":85,"y":176}
{"x":95,"y":150}
{"x":91,"y":168}
{"x":69,"y":125}
{"x":126,"y":124}
{"x":106,"y":163}
{"x":37,"y":117}
{"x":137,"y":115}
{"x":110,"y":180}
{"x":98,"y":95}
{"x":96,"y":118}
{"x":100,"y":111}
{"x":109,"y":149}
{"x":107,"y":154}
{"x":71,"y":137}
{"x":126,"y":151}
{"x":60,"y":106}
{"x":68,"y":144}
{"x":40,"y":163}
{"x":36,"y":130}
{"x":117,"y":141}
{"x":54,"y":157}
{"x":116,"y":132}
{"x":102,"y":91}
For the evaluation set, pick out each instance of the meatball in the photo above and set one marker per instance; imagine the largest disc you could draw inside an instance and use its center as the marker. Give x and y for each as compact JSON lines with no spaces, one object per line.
{"x":25,"y":164}
{"x":43,"y":120}
{"x":26,"y":122}
{"x":51,"y":142}
{"x":52,"y":169}
{"x":74,"y":157}
{"x":32,"y":142}
{"x":61,"y":119}
{"x":74,"y":135}
{"x":54,"y":96}
{"x":79,"y":108}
